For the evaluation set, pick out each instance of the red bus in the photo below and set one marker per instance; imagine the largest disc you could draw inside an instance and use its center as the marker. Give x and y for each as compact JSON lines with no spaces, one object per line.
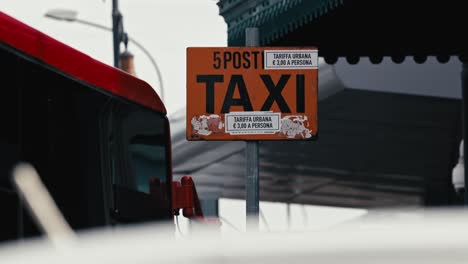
{"x":95,"y":134}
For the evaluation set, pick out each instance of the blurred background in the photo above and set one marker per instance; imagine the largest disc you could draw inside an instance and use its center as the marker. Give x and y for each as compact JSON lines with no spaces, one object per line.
{"x":389,"y":131}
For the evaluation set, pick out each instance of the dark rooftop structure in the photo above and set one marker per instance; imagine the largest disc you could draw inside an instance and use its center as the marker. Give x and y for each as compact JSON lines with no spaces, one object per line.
{"x":374,"y":149}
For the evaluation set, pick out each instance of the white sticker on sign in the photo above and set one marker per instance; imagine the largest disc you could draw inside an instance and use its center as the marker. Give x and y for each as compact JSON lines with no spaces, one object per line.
{"x":254,"y":122}
{"x":290,"y":59}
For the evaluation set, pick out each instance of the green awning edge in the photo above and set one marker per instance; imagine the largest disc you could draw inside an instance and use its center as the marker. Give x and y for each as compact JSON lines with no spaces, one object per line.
{"x":280,"y":19}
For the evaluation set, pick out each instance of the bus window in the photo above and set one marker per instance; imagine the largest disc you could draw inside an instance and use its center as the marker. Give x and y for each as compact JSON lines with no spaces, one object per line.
{"x":140,"y":154}
{"x":148,"y":161}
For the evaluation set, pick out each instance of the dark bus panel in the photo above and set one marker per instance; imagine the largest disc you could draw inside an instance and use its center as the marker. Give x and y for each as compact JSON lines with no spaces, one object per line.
{"x":96,"y":152}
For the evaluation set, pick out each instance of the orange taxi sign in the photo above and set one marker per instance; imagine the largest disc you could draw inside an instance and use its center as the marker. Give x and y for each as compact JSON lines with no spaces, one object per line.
{"x":252,"y":93}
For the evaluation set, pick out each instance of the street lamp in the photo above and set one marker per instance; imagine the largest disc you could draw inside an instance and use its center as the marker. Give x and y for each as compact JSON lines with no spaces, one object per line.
{"x":72,"y":16}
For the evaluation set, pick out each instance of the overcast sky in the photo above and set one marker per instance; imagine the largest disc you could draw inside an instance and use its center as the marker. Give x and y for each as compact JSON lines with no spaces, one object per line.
{"x":163,"y":27}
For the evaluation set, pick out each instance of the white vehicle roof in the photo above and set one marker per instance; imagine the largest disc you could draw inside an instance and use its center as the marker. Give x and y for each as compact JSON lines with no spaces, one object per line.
{"x":386,"y":237}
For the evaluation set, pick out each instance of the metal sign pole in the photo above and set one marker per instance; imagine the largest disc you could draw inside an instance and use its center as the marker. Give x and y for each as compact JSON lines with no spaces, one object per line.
{"x":252,"y":184}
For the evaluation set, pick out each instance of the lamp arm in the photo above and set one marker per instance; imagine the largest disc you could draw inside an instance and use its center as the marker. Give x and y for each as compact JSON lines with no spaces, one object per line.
{"x":93,"y":24}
